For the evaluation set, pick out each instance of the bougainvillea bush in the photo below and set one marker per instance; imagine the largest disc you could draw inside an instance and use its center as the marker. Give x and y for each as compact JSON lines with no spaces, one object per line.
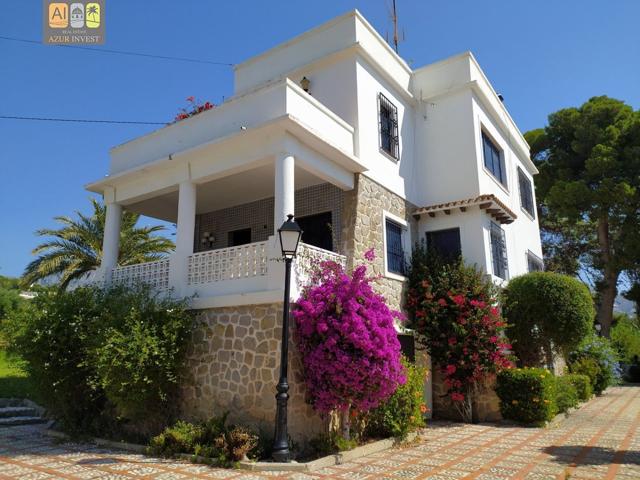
{"x":195,"y":107}
{"x":347,"y":340}
{"x":452,"y":308}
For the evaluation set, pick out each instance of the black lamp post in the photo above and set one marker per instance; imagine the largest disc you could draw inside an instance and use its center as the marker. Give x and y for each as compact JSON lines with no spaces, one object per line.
{"x":290,"y":234}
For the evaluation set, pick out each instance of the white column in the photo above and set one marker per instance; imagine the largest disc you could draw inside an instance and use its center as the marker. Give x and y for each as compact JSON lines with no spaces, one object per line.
{"x":185,"y":231}
{"x":111,"y":239}
{"x":284,"y":189}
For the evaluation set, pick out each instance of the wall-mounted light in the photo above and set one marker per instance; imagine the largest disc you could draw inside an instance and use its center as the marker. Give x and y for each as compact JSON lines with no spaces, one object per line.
{"x":305,"y":83}
{"x":207,"y":240}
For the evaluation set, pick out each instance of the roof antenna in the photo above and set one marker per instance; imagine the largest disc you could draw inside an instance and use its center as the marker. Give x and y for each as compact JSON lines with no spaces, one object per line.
{"x":393,"y":13}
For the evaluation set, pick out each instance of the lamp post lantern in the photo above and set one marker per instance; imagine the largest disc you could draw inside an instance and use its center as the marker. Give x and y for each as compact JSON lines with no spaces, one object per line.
{"x":290,"y":234}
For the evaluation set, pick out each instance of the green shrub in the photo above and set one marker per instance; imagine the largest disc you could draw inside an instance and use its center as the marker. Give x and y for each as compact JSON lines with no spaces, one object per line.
{"x":527,"y":395}
{"x":183,"y":437}
{"x":329,"y":443}
{"x":55,"y":334}
{"x":212,"y":439}
{"x":596,"y":358}
{"x":582,"y":384}
{"x":104,"y":359}
{"x":141,"y":354}
{"x":625,"y":337}
{"x":544,"y":311}
{"x":404,"y":410}
{"x":566,"y":394}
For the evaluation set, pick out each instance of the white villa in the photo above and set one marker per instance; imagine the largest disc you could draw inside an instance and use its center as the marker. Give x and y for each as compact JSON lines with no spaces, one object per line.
{"x":334,"y":127}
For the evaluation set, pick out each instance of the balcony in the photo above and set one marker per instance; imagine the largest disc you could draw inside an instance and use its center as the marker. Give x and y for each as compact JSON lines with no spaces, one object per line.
{"x":228,"y":272}
{"x":280,"y":106}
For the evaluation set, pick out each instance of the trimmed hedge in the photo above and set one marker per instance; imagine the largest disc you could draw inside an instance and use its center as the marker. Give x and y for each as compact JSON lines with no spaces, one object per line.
{"x":566,"y":394}
{"x":546,"y":311}
{"x":582,"y":384}
{"x":527,"y":395}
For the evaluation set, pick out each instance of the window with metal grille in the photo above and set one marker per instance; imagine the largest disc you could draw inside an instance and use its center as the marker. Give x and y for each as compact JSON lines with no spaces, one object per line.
{"x":493,"y":159}
{"x":534,"y":263}
{"x":388,"y":121}
{"x":526,"y":193}
{"x":499,"y":252}
{"x":445,"y":243}
{"x":395,"y":251}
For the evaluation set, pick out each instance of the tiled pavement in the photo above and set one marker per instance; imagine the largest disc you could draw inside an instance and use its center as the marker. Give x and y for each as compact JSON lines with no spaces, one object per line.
{"x":599,"y":441}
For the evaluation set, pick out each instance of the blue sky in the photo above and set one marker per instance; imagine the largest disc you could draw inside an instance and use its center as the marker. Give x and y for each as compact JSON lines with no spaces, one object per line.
{"x":541,"y":56}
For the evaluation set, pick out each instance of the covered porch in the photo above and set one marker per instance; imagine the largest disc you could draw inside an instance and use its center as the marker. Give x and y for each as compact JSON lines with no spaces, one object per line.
{"x":227,"y":197}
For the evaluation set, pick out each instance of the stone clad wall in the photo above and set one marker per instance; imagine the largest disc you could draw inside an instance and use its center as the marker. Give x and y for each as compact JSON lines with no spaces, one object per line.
{"x":486,"y":404}
{"x":233,"y":365}
{"x":363,"y":228}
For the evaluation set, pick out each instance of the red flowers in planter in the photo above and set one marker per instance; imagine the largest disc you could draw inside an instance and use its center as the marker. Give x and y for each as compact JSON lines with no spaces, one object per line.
{"x":194,"y":108}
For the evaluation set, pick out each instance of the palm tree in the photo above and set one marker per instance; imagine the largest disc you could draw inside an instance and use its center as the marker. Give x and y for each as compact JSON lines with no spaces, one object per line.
{"x":92,"y":11}
{"x":76,"y":248}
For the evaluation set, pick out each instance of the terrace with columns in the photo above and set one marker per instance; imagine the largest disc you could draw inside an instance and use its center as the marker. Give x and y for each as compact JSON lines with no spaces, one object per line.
{"x":228,"y":178}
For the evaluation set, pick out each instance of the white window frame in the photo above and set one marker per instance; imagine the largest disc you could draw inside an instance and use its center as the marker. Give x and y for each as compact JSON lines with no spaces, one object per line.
{"x":530,"y":255}
{"x":497,"y":226}
{"x":406,"y":242}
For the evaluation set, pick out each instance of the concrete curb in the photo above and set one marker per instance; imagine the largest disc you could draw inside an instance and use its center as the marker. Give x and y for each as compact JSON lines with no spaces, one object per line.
{"x":328,"y":461}
{"x":101,"y":442}
{"x":317,"y":464}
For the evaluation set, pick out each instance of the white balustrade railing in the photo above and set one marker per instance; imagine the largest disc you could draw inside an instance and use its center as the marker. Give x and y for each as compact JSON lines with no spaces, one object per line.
{"x":231,"y":263}
{"x":155,"y":274}
{"x":309,"y":259}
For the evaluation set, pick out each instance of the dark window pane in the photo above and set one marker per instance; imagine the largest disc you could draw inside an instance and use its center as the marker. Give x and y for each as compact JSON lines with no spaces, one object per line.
{"x":526,"y":193}
{"x":317,"y":230}
{"x":395,"y":253}
{"x":239,"y":237}
{"x":388,"y":124}
{"x":408,"y":346}
{"x":498,"y":251}
{"x":492,"y":159}
{"x":534,"y":263}
{"x":445,"y":243}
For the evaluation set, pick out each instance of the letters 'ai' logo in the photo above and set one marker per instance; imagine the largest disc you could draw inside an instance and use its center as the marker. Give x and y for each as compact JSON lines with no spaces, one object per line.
{"x":58,"y":15}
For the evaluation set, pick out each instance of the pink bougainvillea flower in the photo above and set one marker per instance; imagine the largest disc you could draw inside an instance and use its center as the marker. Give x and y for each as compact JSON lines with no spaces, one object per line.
{"x":370,"y":255}
{"x":347,"y":339}
{"x":442,"y":302}
{"x":458,"y":299}
{"x":191,"y":99}
{"x":457,"y":397}
{"x":450,"y":369}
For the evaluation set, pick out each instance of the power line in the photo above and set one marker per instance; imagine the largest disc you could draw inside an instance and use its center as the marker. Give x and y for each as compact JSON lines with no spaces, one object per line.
{"x":122,"y":52}
{"x":79,"y":120}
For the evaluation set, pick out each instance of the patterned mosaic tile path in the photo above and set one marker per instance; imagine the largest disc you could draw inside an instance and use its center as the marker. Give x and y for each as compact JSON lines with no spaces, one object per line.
{"x":599,"y":441}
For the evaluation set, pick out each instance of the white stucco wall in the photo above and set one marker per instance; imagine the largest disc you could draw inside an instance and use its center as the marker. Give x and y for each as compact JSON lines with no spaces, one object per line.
{"x":442,"y":110}
{"x":396,"y":175}
{"x":524,"y":233}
